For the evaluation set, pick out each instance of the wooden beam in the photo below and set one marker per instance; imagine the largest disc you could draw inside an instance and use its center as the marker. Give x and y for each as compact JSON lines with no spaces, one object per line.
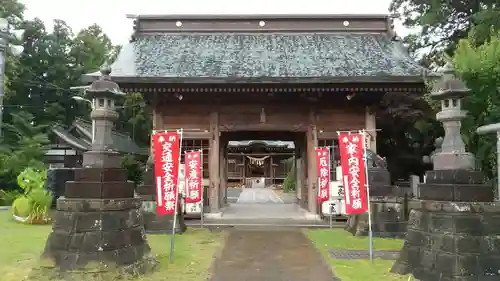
{"x":261,"y":154}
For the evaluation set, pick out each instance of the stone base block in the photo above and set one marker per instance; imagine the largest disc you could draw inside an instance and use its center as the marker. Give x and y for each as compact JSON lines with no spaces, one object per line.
{"x":101,"y":159}
{"x":379,"y":175}
{"x":161,"y":224}
{"x":380,"y":182}
{"x":452,"y":241}
{"x":101,"y":174}
{"x":389,"y":219}
{"x":98,"y":189}
{"x":146,"y":190}
{"x":455,"y":185}
{"x":102,"y":183}
{"x":381,"y":190}
{"x":450,"y":161}
{"x":456,"y":192}
{"x":454,"y":177}
{"x":56,"y":182}
{"x":91,"y":233}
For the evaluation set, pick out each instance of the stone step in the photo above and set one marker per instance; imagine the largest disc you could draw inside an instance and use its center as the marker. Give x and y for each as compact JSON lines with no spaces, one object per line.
{"x":263,"y":223}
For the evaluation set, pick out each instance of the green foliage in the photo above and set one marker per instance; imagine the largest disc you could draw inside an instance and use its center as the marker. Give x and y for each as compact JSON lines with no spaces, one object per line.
{"x":31,"y":179}
{"x":21,"y":207}
{"x":479,"y":67}
{"x":23,"y":145}
{"x":133,"y":167}
{"x":7,"y":197}
{"x":37,"y":88}
{"x":34,"y":205}
{"x":135,"y":118}
{"x":444,"y":22}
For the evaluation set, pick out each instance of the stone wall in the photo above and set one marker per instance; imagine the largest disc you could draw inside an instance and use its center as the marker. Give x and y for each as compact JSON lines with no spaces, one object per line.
{"x":452,"y":241}
{"x":97,"y":230}
{"x":56,"y":182}
{"x":389,"y":217}
{"x":152,"y":222}
{"x":389,"y":211}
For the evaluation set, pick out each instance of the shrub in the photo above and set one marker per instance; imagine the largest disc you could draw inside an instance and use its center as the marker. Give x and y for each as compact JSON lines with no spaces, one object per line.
{"x":34,"y":205}
{"x":7,"y":197}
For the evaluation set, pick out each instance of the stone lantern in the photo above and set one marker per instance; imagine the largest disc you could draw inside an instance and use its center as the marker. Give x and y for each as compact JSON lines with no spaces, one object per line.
{"x":454,"y":221}
{"x":450,"y":92}
{"x":103,"y":94}
{"x":98,"y":222}
{"x":453,"y":177}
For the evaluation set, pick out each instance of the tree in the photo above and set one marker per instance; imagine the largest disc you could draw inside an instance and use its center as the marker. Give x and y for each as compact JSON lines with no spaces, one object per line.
{"x":135,"y":118}
{"x":407,"y":133}
{"x":12,"y":10}
{"x":91,"y":49}
{"x":38,"y":85}
{"x":479,"y":67}
{"x":444,"y":22}
{"x":23,"y":145}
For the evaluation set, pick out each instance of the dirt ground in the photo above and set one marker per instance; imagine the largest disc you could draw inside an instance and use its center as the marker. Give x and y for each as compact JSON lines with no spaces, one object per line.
{"x":270,"y":255}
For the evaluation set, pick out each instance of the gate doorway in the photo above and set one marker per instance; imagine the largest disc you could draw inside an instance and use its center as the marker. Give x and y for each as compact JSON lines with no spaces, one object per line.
{"x":261,"y":176}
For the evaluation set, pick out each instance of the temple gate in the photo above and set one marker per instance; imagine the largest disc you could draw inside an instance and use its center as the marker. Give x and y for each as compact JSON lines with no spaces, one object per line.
{"x":294,"y":78}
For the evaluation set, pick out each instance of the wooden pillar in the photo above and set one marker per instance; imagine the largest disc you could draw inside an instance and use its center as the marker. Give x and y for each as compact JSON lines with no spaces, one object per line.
{"x":244,"y":180}
{"x":271,"y":175}
{"x":312,"y":181}
{"x":213,"y":163}
{"x":223,"y":171}
{"x":301,"y":172}
{"x":371,"y":126}
{"x":157,"y":124}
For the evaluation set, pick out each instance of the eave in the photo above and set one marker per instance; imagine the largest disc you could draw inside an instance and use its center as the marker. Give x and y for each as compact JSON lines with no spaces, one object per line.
{"x":341,"y":80}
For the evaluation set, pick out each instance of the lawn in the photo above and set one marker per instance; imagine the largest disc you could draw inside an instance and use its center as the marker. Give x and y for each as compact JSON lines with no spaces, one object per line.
{"x":21,"y":246}
{"x":356,"y":270}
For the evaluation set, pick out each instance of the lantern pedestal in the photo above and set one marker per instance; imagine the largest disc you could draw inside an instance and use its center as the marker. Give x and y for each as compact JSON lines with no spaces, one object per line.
{"x":98,"y":227}
{"x":152,"y":222}
{"x":388,"y":212}
{"x":452,"y":241}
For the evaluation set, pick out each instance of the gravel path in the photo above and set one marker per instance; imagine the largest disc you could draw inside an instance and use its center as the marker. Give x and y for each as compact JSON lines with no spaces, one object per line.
{"x":270,"y":255}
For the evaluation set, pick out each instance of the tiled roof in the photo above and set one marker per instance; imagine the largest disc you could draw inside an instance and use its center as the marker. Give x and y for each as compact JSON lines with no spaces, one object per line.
{"x":121,"y":143}
{"x":265,"y":55}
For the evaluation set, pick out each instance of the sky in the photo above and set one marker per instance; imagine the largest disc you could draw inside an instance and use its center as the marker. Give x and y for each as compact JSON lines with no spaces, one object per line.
{"x":111,"y":14}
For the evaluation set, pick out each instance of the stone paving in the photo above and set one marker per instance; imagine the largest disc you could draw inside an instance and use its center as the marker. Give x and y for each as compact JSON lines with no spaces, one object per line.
{"x":259,"y":196}
{"x":362,"y":254}
{"x":264,"y":203}
{"x":270,"y":255}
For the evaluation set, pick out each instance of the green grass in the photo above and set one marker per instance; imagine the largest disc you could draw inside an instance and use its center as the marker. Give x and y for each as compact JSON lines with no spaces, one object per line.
{"x":356,"y":270}
{"x":21,"y":246}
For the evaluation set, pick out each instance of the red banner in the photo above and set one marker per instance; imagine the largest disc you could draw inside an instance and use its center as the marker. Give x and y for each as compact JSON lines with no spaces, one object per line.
{"x":351,"y":148}
{"x":323,"y":170}
{"x":193,"y":176}
{"x":166,"y":149}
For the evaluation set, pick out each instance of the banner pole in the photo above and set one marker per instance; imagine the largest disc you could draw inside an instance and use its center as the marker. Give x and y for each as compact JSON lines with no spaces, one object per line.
{"x":370,"y":232}
{"x":330,"y":187}
{"x":202,"y":212}
{"x":176,"y":207}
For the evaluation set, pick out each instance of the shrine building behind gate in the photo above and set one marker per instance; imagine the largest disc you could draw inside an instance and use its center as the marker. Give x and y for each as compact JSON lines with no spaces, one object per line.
{"x":296,"y":78}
